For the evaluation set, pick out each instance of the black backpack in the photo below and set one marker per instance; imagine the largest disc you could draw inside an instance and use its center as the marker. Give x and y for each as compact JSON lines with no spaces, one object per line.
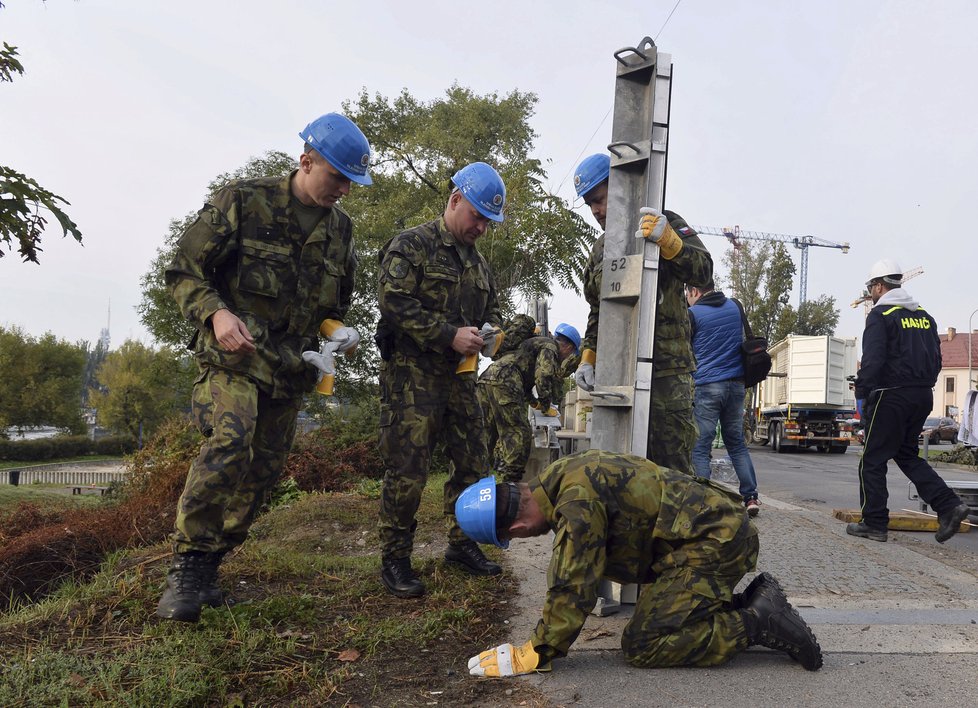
{"x":753,"y":352}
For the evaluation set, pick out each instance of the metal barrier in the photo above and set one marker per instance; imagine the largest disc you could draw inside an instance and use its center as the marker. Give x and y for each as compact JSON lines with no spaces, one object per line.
{"x":60,"y":474}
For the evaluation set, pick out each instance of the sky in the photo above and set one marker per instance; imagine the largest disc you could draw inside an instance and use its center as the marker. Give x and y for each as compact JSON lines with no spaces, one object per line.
{"x":848,"y":121}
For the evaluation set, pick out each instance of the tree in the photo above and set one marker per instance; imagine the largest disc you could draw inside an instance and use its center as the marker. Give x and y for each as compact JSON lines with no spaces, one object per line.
{"x":139,"y":387}
{"x":762,"y":274}
{"x":40,"y":381}
{"x":23,"y":202}
{"x":814,"y":317}
{"x":417,"y":147}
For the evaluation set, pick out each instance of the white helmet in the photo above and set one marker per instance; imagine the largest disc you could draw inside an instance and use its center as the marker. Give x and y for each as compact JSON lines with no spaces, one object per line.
{"x":887,"y":270}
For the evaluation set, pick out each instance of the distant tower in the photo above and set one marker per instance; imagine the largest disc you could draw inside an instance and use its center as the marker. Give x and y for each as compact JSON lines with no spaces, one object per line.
{"x":103,"y":337}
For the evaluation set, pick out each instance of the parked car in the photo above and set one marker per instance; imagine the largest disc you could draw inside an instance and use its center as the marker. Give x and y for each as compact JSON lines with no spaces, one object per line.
{"x":938,"y":430}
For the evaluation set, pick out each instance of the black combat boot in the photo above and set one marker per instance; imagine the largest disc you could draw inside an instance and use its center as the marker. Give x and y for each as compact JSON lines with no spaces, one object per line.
{"x":950,"y":522}
{"x":772,"y":622}
{"x":469,"y":556}
{"x":400,"y":579}
{"x":181,"y":599}
{"x":211,"y":594}
{"x":740,"y":600}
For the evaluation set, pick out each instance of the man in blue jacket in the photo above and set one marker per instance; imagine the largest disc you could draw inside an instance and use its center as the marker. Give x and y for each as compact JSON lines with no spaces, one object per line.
{"x":717,"y":332}
{"x":894,"y":391}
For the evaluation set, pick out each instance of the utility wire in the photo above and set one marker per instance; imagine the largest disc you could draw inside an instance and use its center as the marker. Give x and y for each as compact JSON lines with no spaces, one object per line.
{"x":667,"y":19}
{"x":576,"y":159}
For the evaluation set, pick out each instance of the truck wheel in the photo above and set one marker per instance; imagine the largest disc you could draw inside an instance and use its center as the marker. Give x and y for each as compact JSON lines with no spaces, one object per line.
{"x":823,"y":447}
{"x":838,"y":449}
{"x":776,"y":433}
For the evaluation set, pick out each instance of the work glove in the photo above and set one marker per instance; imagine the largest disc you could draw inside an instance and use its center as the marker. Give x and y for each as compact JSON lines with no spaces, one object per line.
{"x":536,"y":405}
{"x":493,"y":338}
{"x":346,"y":337}
{"x":325,"y":361}
{"x":584,"y":376}
{"x":655,"y":227}
{"x":507,"y":660}
{"x":552,"y":412}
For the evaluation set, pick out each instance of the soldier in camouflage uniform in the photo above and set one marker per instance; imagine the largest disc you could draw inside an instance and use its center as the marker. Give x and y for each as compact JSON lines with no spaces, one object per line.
{"x":686,"y":539}
{"x":506,"y":389}
{"x":436,"y":292}
{"x":672,"y":429}
{"x":265,"y":263}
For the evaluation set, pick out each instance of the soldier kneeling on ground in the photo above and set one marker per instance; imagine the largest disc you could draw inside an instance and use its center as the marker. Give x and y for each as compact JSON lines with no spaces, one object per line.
{"x":686,"y":539}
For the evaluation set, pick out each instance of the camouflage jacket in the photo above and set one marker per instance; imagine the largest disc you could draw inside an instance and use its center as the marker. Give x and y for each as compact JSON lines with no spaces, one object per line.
{"x":430,"y":285}
{"x":246,"y":253}
{"x":672,"y":352}
{"x":534,"y":362}
{"x":625,"y":518}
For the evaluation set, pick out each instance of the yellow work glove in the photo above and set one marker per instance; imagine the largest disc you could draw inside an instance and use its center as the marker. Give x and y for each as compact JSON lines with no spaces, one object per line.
{"x":655,"y":226}
{"x":535,"y":405}
{"x":346,"y":337}
{"x":551,"y":412}
{"x":506,"y":660}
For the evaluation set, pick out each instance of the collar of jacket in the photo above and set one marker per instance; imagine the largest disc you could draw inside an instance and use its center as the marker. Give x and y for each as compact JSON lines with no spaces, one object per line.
{"x":714,"y":299}
{"x":467,"y":254}
{"x":546,"y":506}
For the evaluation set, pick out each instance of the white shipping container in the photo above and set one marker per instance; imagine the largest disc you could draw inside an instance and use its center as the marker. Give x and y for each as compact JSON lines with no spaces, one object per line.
{"x":814,"y":372}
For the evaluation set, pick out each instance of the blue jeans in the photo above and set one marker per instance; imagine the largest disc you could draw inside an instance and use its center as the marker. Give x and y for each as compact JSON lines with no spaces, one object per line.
{"x":723,"y":401}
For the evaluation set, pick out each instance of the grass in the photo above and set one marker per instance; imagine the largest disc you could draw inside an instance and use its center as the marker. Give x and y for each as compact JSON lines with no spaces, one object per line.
{"x":45,"y":495}
{"x":14,"y":464}
{"x":312,"y":624}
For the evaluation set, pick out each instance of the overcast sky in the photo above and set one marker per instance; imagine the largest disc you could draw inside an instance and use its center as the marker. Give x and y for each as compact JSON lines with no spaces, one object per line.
{"x":850,"y":121}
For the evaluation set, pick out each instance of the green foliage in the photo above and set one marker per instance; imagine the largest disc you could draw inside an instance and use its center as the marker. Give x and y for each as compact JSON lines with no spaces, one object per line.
{"x":761,"y":275}
{"x":139,"y":387}
{"x":417,"y":147}
{"x":814,"y":317}
{"x":9,"y":64}
{"x":23,"y":202}
{"x":40,"y":381}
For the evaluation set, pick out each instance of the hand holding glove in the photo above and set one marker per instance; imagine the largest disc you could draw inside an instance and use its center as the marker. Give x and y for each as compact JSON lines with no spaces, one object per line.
{"x":655,"y":227}
{"x":493,"y":338}
{"x":506,"y":660}
{"x":346,"y":337}
{"x":325,"y":361}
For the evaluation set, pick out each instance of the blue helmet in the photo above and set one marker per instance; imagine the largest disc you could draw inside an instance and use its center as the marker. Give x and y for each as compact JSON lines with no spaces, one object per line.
{"x":475,"y":511}
{"x":482,"y":186}
{"x":593,"y":170}
{"x":342,"y":143}
{"x":569,"y":331}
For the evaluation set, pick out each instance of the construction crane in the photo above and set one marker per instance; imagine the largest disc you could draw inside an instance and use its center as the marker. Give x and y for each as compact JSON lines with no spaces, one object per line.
{"x":735,"y":235}
{"x":866,"y":299}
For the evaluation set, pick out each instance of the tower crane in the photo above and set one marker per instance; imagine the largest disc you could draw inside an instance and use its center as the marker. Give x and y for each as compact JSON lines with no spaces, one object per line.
{"x":867,"y":301}
{"x":803,"y":243}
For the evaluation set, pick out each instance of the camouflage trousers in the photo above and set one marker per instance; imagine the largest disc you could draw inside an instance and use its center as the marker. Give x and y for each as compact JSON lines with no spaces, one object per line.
{"x":508,"y":433}
{"x":686,"y":617}
{"x":248,"y":436}
{"x":419,"y":409}
{"x":672,"y":428}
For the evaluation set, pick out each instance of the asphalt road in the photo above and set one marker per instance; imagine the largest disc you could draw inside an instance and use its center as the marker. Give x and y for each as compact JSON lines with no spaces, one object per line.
{"x":824,"y":482}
